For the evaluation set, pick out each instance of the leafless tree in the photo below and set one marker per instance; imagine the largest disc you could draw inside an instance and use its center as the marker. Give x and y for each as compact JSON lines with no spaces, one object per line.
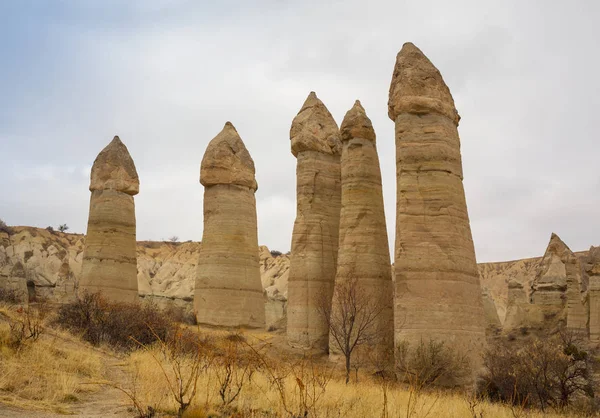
{"x":351,"y":315}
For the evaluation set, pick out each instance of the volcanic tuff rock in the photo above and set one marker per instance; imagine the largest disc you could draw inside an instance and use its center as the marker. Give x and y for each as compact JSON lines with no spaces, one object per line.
{"x":491,"y":313}
{"x":495,"y":277}
{"x":109,"y":263}
{"x":364,"y":255}
{"x":519,"y":312}
{"x":166,"y":270}
{"x":438,"y":293}
{"x":13,"y":278}
{"x":316,"y":144}
{"x":592,"y":268}
{"x":228,"y":289}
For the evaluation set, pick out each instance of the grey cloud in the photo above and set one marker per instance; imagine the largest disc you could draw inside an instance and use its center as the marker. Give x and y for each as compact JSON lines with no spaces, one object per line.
{"x":165,"y":76}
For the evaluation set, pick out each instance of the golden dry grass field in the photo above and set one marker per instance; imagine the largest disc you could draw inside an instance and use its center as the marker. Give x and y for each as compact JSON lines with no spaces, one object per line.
{"x":241,"y":374}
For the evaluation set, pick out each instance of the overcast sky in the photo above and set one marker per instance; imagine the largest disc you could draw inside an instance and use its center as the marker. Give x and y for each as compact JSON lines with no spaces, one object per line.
{"x":166,"y":75}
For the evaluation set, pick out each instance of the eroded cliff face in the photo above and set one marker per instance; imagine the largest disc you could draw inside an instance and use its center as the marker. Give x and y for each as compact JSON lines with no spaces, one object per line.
{"x":48,"y":264}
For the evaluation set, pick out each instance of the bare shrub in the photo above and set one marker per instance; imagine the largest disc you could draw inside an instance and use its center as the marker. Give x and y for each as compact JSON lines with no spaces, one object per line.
{"x":431,"y":362}
{"x":118,"y":324}
{"x":300,"y":384}
{"x":174,"y":239}
{"x":181,"y":365}
{"x":552,"y":372}
{"x":351,"y":316}
{"x":63,"y":227}
{"x":180,"y":314}
{"x":234,"y":368}
{"x":131,"y":391}
{"x":5,"y":228}
{"x":28,"y":325}
{"x":10,"y":296}
{"x":311,"y":384}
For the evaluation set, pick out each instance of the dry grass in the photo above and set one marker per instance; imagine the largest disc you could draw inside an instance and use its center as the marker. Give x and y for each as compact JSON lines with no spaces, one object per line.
{"x":46,"y":374}
{"x":52,"y":373}
{"x":260,"y":398}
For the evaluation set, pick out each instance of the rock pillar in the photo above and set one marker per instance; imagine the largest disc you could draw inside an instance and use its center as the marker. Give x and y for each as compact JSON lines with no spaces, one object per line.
{"x":109,"y":259}
{"x":228,"y":289}
{"x":438,"y":293}
{"x":316,"y":144}
{"x":364,"y":255}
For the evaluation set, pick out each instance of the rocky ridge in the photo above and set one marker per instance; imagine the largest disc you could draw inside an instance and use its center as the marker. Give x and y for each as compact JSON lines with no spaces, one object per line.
{"x":51,"y":263}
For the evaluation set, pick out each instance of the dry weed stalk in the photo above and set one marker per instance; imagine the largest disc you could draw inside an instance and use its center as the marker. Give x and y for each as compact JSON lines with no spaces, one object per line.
{"x":28,"y":325}
{"x":186,"y":367}
{"x":234,"y":368}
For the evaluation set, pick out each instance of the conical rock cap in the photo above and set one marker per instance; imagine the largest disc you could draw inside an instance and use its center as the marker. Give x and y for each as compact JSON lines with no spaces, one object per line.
{"x":227,"y":161}
{"x":314,"y":129}
{"x":418,"y":87}
{"x":356,"y":124}
{"x":114,"y":169}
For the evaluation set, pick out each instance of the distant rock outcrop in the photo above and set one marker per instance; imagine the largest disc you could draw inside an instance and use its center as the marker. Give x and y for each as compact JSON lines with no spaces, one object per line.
{"x":491,"y":313}
{"x":13,"y":279}
{"x":109,"y":258}
{"x":495,"y":277}
{"x":592,"y":268}
{"x":166,"y":270}
{"x":316,"y":144}
{"x":228,"y":288}
{"x":364,"y":255}
{"x":438,"y":292}
{"x":553,"y":294}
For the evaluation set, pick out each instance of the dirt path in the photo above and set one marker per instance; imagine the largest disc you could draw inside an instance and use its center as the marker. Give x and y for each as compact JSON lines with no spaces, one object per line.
{"x":105,"y":402}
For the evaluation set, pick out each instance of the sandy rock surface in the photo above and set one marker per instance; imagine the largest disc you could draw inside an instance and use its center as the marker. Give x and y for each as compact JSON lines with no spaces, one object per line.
{"x":315,"y":143}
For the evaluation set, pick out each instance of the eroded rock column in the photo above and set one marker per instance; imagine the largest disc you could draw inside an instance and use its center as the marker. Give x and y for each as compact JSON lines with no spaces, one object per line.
{"x":316,"y":145}
{"x":228,"y":289}
{"x":438,"y":293}
{"x":109,"y":259}
{"x":364,"y":255}
{"x":593,"y":270}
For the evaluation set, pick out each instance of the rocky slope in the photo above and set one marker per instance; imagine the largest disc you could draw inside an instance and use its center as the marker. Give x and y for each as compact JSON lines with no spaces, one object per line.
{"x":50,"y":264}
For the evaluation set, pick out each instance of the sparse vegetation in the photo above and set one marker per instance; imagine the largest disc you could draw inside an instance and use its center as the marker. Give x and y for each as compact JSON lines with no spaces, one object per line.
{"x":177,"y":370}
{"x":121,"y":325}
{"x":174,"y":239}
{"x":39,"y":372}
{"x":431,"y":363}
{"x":63,"y":228}
{"x":27,"y":325}
{"x":545,"y":373}
{"x":4,"y":227}
{"x":351,"y":316}
{"x":10,"y":296}
{"x":275,"y":253}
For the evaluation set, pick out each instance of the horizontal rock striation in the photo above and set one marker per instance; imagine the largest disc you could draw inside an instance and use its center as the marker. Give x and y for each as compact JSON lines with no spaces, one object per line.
{"x":364,"y":255}
{"x":438,"y":292}
{"x":109,"y":259}
{"x":228,"y":289}
{"x":316,"y":144}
